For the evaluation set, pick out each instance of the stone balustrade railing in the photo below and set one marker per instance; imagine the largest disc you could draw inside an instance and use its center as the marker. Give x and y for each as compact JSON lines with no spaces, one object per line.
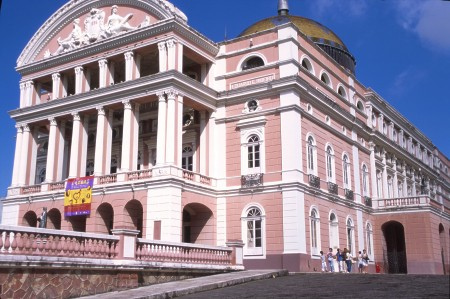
{"x":157,"y":251}
{"x":400,"y":202}
{"x":31,"y":189}
{"x":107,"y":179}
{"x":56,"y":186}
{"x":28,"y":241}
{"x":140,"y":175}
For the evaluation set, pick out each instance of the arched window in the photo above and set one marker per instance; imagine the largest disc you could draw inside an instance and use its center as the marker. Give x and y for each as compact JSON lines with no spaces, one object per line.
{"x":325,"y":79}
{"x":253,"y":226}
{"x":330,"y":164}
{"x":350,"y":235}
{"x":252,"y":62}
{"x":187,"y":158}
{"x":306,"y":64}
{"x":369,"y":240}
{"x":311,"y":155}
{"x":346,"y":171}
{"x":334,"y":231}
{"x":253,"y":152}
{"x":365,"y":180}
{"x":342,"y":92}
{"x":379,"y":184}
{"x":315,"y":232}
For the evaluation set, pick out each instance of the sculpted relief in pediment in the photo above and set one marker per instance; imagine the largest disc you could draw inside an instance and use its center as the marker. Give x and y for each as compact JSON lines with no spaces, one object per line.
{"x":95,"y":29}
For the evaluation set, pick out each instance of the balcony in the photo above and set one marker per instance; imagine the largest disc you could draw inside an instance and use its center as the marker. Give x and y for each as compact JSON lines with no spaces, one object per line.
{"x":349,"y":194}
{"x":314,"y":181}
{"x":252,"y":180}
{"x":332,"y":188}
{"x":412,"y":202}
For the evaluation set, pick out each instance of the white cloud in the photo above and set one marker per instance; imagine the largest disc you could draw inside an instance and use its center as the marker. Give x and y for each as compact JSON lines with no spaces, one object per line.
{"x":405,"y":79}
{"x":429,"y":19}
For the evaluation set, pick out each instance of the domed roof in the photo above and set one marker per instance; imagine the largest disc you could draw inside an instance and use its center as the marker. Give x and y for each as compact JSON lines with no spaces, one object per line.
{"x":316,"y":32}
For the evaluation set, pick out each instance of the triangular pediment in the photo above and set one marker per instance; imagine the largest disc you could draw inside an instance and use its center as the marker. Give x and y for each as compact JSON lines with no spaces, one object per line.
{"x":81,"y":23}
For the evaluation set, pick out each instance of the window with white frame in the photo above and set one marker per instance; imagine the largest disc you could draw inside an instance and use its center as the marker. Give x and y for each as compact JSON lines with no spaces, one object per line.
{"x":365,"y":180}
{"x":369,"y":240}
{"x":253,"y":229}
{"x":315,"y":232}
{"x":334,"y":231}
{"x":253,"y":153}
{"x":187,"y":158}
{"x":311,"y":155}
{"x":346,"y":171}
{"x":330,"y":164}
{"x":350,"y":235}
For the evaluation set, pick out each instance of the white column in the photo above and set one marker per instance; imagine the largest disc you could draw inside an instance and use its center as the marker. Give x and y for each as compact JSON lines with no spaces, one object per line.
{"x":385,"y":181}
{"x":373,"y":170}
{"x":51,"y":152}
{"x":83,"y":146}
{"x":75,"y":146}
{"x":108,"y":143}
{"x":170,"y":139}
{"x":211,"y":145}
{"x":134,"y":146}
{"x":129,"y":65}
{"x":405,"y":181}
{"x":162,"y":56}
{"x":395,"y":184}
{"x":180,"y":57}
{"x":79,"y":79}
{"x":62,"y":155}
{"x":56,"y":82}
{"x":99,"y":160}
{"x":26,"y":136}
{"x":203,"y":144}
{"x":29,"y":87}
{"x":17,"y":156}
{"x":23,"y":96}
{"x":161,"y":137}
{"x":126,"y":137}
{"x":171,"y":43}
{"x":179,"y":127}
{"x":102,"y":72}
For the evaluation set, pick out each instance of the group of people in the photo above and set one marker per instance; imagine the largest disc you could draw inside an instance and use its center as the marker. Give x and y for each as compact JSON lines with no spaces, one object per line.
{"x":344,"y":260}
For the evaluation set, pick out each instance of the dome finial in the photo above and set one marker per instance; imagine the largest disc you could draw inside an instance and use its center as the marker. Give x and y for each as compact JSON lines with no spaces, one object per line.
{"x":283,"y":7}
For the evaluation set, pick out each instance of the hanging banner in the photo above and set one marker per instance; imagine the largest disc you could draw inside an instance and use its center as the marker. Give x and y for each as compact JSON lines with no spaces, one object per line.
{"x":78,"y":196}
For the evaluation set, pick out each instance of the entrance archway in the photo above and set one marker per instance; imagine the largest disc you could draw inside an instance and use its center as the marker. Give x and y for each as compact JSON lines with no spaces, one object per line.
{"x":133,"y":215}
{"x":104,"y":219}
{"x":29,"y":219}
{"x":198,"y":224}
{"x":54,"y":219}
{"x":395,"y":247}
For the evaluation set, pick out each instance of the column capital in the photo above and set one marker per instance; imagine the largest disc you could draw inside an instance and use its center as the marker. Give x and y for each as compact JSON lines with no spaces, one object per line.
{"x":161,"y":96}
{"x":102,"y":63}
{"x":78,"y":70}
{"x":162,"y":46}
{"x":76,"y":116}
{"x":56,"y":76}
{"x":171,"y":94}
{"x":127,"y":104}
{"x":171,"y":43}
{"x":19,"y":128}
{"x":129,"y":55}
{"x":26,"y":128}
{"x":29,"y":83}
{"x":52,"y":121}
{"x":100,"y":110}
{"x":22,"y":85}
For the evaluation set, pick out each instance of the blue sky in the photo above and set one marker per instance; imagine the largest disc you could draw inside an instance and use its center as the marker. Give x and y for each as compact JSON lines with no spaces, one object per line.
{"x":402,"y":49}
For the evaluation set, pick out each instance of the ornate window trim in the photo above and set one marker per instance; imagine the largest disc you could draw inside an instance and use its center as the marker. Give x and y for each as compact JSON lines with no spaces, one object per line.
{"x":248,"y":128}
{"x":252,"y":105}
{"x":315,"y":242}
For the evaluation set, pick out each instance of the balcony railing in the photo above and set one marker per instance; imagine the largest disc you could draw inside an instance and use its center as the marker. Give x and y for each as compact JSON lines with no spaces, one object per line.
{"x":402,"y":202}
{"x":333,"y":188}
{"x":140,"y":175}
{"x":31,"y":189}
{"x":314,"y":181}
{"x":349,"y":194}
{"x":252,"y":180}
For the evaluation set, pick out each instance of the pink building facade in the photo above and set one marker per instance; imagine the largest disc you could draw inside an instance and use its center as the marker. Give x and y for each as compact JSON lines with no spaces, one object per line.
{"x":268,"y":138}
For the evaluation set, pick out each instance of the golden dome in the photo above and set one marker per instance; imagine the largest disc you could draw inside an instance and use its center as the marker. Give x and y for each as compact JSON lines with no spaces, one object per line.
{"x":315,"y":31}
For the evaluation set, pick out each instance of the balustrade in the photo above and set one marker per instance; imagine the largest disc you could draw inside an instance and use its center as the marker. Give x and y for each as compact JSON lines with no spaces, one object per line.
{"x":332,"y":188}
{"x":31,"y":189}
{"x":156,"y":251}
{"x":55,"y":243}
{"x":56,"y":186}
{"x":140,"y":175}
{"x":107,"y":179}
{"x":314,"y":181}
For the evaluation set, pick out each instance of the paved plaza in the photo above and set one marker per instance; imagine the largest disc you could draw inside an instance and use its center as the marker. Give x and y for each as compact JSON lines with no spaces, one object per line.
{"x":276,"y":284}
